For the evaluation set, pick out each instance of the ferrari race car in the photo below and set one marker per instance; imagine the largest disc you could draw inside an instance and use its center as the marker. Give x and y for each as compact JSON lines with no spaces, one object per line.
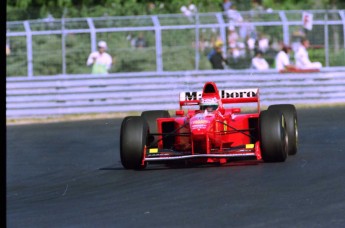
{"x":213,"y":133}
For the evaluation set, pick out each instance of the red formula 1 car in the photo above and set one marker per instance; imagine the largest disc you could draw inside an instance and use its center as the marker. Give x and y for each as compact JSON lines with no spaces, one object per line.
{"x":214,"y":133}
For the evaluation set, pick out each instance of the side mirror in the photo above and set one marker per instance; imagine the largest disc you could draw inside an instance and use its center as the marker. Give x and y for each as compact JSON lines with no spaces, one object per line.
{"x":236,"y":110}
{"x":179,"y":113}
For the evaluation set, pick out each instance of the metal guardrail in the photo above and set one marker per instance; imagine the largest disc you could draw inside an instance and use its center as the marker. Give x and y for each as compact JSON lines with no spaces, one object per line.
{"x":123,"y":92}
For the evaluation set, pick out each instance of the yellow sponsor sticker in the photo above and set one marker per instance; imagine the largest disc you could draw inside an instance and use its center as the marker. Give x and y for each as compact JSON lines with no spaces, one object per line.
{"x":153,"y":150}
{"x":225,"y":125}
{"x":249,"y":146}
{"x":283,"y":121}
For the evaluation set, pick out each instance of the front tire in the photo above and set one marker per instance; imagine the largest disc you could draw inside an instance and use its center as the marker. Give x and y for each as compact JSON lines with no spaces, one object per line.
{"x":133,"y":138}
{"x":273,"y":136}
{"x":290,"y":114}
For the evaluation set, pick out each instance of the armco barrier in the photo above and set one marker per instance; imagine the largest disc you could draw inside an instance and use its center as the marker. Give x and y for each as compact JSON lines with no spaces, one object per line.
{"x":123,"y":92}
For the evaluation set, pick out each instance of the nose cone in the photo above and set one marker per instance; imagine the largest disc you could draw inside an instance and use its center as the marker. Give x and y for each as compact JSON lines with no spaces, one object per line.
{"x":199,"y":125}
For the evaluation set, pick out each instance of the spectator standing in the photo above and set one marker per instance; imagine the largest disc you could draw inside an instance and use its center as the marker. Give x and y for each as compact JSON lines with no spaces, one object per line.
{"x":250,"y":43}
{"x":257,"y":5}
{"x":217,"y":59}
{"x":150,"y":8}
{"x":247,"y":30}
{"x":212,"y":50}
{"x":282,"y":59}
{"x":226,"y":5}
{"x":8,"y":50}
{"x":263,"y":43}
{"x":100,"y":60}
{"x":236,"y":48}
{"x":297,"y":36}
{"x":140,"y":41}
{"x":302,"y":58}
{"x":132,"y":39}
{"x":258,"y":62}
{"x":188,"y":13}
{"x":232,"y":37}
{"x":233,"y":15}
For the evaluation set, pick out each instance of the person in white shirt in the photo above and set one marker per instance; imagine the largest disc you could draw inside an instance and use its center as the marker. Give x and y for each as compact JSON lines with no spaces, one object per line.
{"x":282,"y":60}
{"x":302,"y":57}
{"x":100,"y":60}
{"x":8,"y":50}
{"x":258,"y":62}
{"x":234,"y":15}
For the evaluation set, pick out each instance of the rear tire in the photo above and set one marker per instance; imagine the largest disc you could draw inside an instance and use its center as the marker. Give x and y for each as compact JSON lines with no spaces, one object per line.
{"x":290,"y":114}
{"x":133,"y":139}
{"x":273,"y":136}
{"x":151,"y":119}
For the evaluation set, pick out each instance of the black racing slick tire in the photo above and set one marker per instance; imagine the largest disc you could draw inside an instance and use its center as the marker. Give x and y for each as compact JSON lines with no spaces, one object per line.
{"x":273,"y":136}
{"x":151,"y":119}
{"x":133,"y":138}
{"x":290,"y":114}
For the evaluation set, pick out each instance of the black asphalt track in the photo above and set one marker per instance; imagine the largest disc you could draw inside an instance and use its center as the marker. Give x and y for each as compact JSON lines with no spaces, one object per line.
{"x":69,"y":174}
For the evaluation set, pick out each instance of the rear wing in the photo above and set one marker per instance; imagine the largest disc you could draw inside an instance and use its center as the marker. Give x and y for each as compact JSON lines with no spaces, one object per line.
{"x":227,"y":96}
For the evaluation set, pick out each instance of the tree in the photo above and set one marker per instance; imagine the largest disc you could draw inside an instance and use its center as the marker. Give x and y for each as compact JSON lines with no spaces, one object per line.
{"x":34,"y":9}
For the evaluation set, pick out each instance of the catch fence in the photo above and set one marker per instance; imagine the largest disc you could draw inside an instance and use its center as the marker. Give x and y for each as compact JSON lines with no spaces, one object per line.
{"x":172,"y":42}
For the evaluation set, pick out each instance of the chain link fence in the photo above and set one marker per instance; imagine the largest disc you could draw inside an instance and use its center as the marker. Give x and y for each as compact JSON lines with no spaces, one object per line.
{"x":169,"y":42}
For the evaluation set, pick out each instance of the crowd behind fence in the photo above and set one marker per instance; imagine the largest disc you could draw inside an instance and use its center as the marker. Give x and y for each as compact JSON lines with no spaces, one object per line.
{"x":171,"y":42}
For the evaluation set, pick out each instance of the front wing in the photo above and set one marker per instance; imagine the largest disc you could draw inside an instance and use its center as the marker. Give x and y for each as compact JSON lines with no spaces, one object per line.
{"x":249,"y":151}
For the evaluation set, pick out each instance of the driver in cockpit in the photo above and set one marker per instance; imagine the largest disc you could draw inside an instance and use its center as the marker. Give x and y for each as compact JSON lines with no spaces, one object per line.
{"x":209,"y":104}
